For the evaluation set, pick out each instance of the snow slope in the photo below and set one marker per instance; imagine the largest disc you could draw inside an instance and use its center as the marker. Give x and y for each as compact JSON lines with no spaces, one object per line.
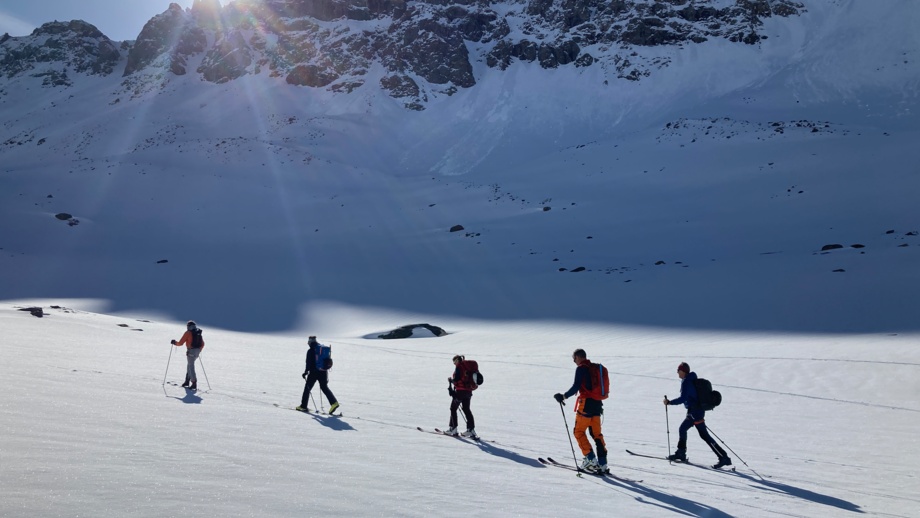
{"x":825,"y":426}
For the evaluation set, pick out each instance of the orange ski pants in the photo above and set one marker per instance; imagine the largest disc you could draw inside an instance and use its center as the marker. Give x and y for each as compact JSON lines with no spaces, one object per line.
{"x":590,"y":425}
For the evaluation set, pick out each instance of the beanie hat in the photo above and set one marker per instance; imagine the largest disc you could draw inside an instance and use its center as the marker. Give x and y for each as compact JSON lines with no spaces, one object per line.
{"x":684,"y":367}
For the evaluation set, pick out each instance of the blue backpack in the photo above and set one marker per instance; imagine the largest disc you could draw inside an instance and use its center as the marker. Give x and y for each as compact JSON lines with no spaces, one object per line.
{"x":323,"y":357}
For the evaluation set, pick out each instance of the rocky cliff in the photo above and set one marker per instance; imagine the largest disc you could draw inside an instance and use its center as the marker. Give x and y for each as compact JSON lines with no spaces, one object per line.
{"x":423,"y":48}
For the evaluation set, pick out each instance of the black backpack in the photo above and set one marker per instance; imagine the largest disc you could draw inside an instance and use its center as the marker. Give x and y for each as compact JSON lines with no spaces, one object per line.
{"x":196,"y":339}
{"x":706,"y":398}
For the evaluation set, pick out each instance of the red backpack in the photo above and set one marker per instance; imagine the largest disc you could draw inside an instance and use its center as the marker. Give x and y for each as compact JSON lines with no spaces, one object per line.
{"x":471,"y":375}
{"x":597,"y":386}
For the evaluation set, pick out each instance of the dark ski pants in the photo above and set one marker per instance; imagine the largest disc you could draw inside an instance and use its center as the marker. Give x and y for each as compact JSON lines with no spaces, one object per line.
{"x":700,"y":425}
{"x":462,"y":397}
{"x":323,"y":378}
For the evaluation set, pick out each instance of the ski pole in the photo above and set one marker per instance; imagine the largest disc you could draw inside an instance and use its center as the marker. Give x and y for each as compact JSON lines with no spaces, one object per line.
{"x":566,"y":421}
{"x":667,"y":423}
{"x":314,"y":401}
{"x":733,"y":451}
{"x":204,"y":371}
{"x":167,"y":365}
{"x":322,"y":405}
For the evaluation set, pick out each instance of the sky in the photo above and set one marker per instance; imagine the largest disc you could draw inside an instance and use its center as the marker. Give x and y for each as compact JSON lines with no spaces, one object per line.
{"x":117,"y":19}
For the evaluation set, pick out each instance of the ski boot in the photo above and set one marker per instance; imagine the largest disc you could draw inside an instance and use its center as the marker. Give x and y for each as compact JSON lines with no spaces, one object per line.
{"x":678,"y":456}
{"x":589,"y":463}
{"x":724,"y":461}
{"x":602,"y":466}
{"x":333,"y":407}
{"x":452,"y":431}
{"x":471,"y":433}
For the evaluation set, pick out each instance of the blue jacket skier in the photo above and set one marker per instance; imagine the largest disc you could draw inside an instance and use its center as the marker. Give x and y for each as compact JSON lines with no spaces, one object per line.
{"x":695,"y":417}
{"x":313,"y":373}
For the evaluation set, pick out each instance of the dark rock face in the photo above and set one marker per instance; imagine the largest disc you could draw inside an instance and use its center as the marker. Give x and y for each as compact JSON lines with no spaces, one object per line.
{"x":427,"y":47}
{"x":57,"y":48}
{"x":227,"y":60}
{"x":157,"y":37}
{"x":311,"y":75}
{"x":403,"y":87}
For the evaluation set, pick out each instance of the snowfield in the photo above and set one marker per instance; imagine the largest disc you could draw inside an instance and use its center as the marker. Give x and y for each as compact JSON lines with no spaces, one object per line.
{"x":824,"y":425}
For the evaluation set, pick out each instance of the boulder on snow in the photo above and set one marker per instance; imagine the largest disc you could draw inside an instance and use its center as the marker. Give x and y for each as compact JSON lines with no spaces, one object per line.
{"x":36,"y":311}
{"x":414,"y":331}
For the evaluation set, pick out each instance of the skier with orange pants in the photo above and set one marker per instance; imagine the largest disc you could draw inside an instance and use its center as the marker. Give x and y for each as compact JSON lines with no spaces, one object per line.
{"x":592,"y":385}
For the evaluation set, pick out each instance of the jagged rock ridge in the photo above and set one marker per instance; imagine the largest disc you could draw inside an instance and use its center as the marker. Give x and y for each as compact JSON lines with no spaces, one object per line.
{"x":426,"y":48}
{"x":56,"y":48}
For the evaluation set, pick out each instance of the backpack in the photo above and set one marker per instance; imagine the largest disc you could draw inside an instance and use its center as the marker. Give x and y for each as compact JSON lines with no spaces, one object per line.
{"x":597,"y":386}
{"x":196,"y":339}
{"x":471,"y":373}
{"x":706,"y":398}
{"x":323,"y":357}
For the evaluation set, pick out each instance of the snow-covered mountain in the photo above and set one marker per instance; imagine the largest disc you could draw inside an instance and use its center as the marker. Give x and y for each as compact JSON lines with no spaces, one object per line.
{"x":699,"y":191}
{"x":731,"y":184}
{"x":423,"y":49}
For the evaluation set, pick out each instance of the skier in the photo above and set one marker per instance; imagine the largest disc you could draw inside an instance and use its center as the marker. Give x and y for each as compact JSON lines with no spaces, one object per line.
{"x":695,"y":417}
{"x":461,"y":393}
{"x":316,"y":372}
{"x":194,"y":343}
{"x":588,"y":412}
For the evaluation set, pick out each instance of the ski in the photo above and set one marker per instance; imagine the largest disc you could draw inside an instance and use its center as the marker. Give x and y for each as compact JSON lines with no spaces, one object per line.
{"x":652,"y":456}
{"x":311,"y":412}
{"x":473,"y":438}
{"x":549,"y":461}
{"x":677,"y":461}
{"x":419,"y":428}
{"x":440,"y":432}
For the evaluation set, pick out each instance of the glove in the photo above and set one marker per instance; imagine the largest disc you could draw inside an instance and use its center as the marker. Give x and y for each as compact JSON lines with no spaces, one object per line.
{"x":452,"y":392}
{"x":667,"y":401}
{"x":172,"y":342}
{"x":304,"y":376}
{"x":559,"y":398}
